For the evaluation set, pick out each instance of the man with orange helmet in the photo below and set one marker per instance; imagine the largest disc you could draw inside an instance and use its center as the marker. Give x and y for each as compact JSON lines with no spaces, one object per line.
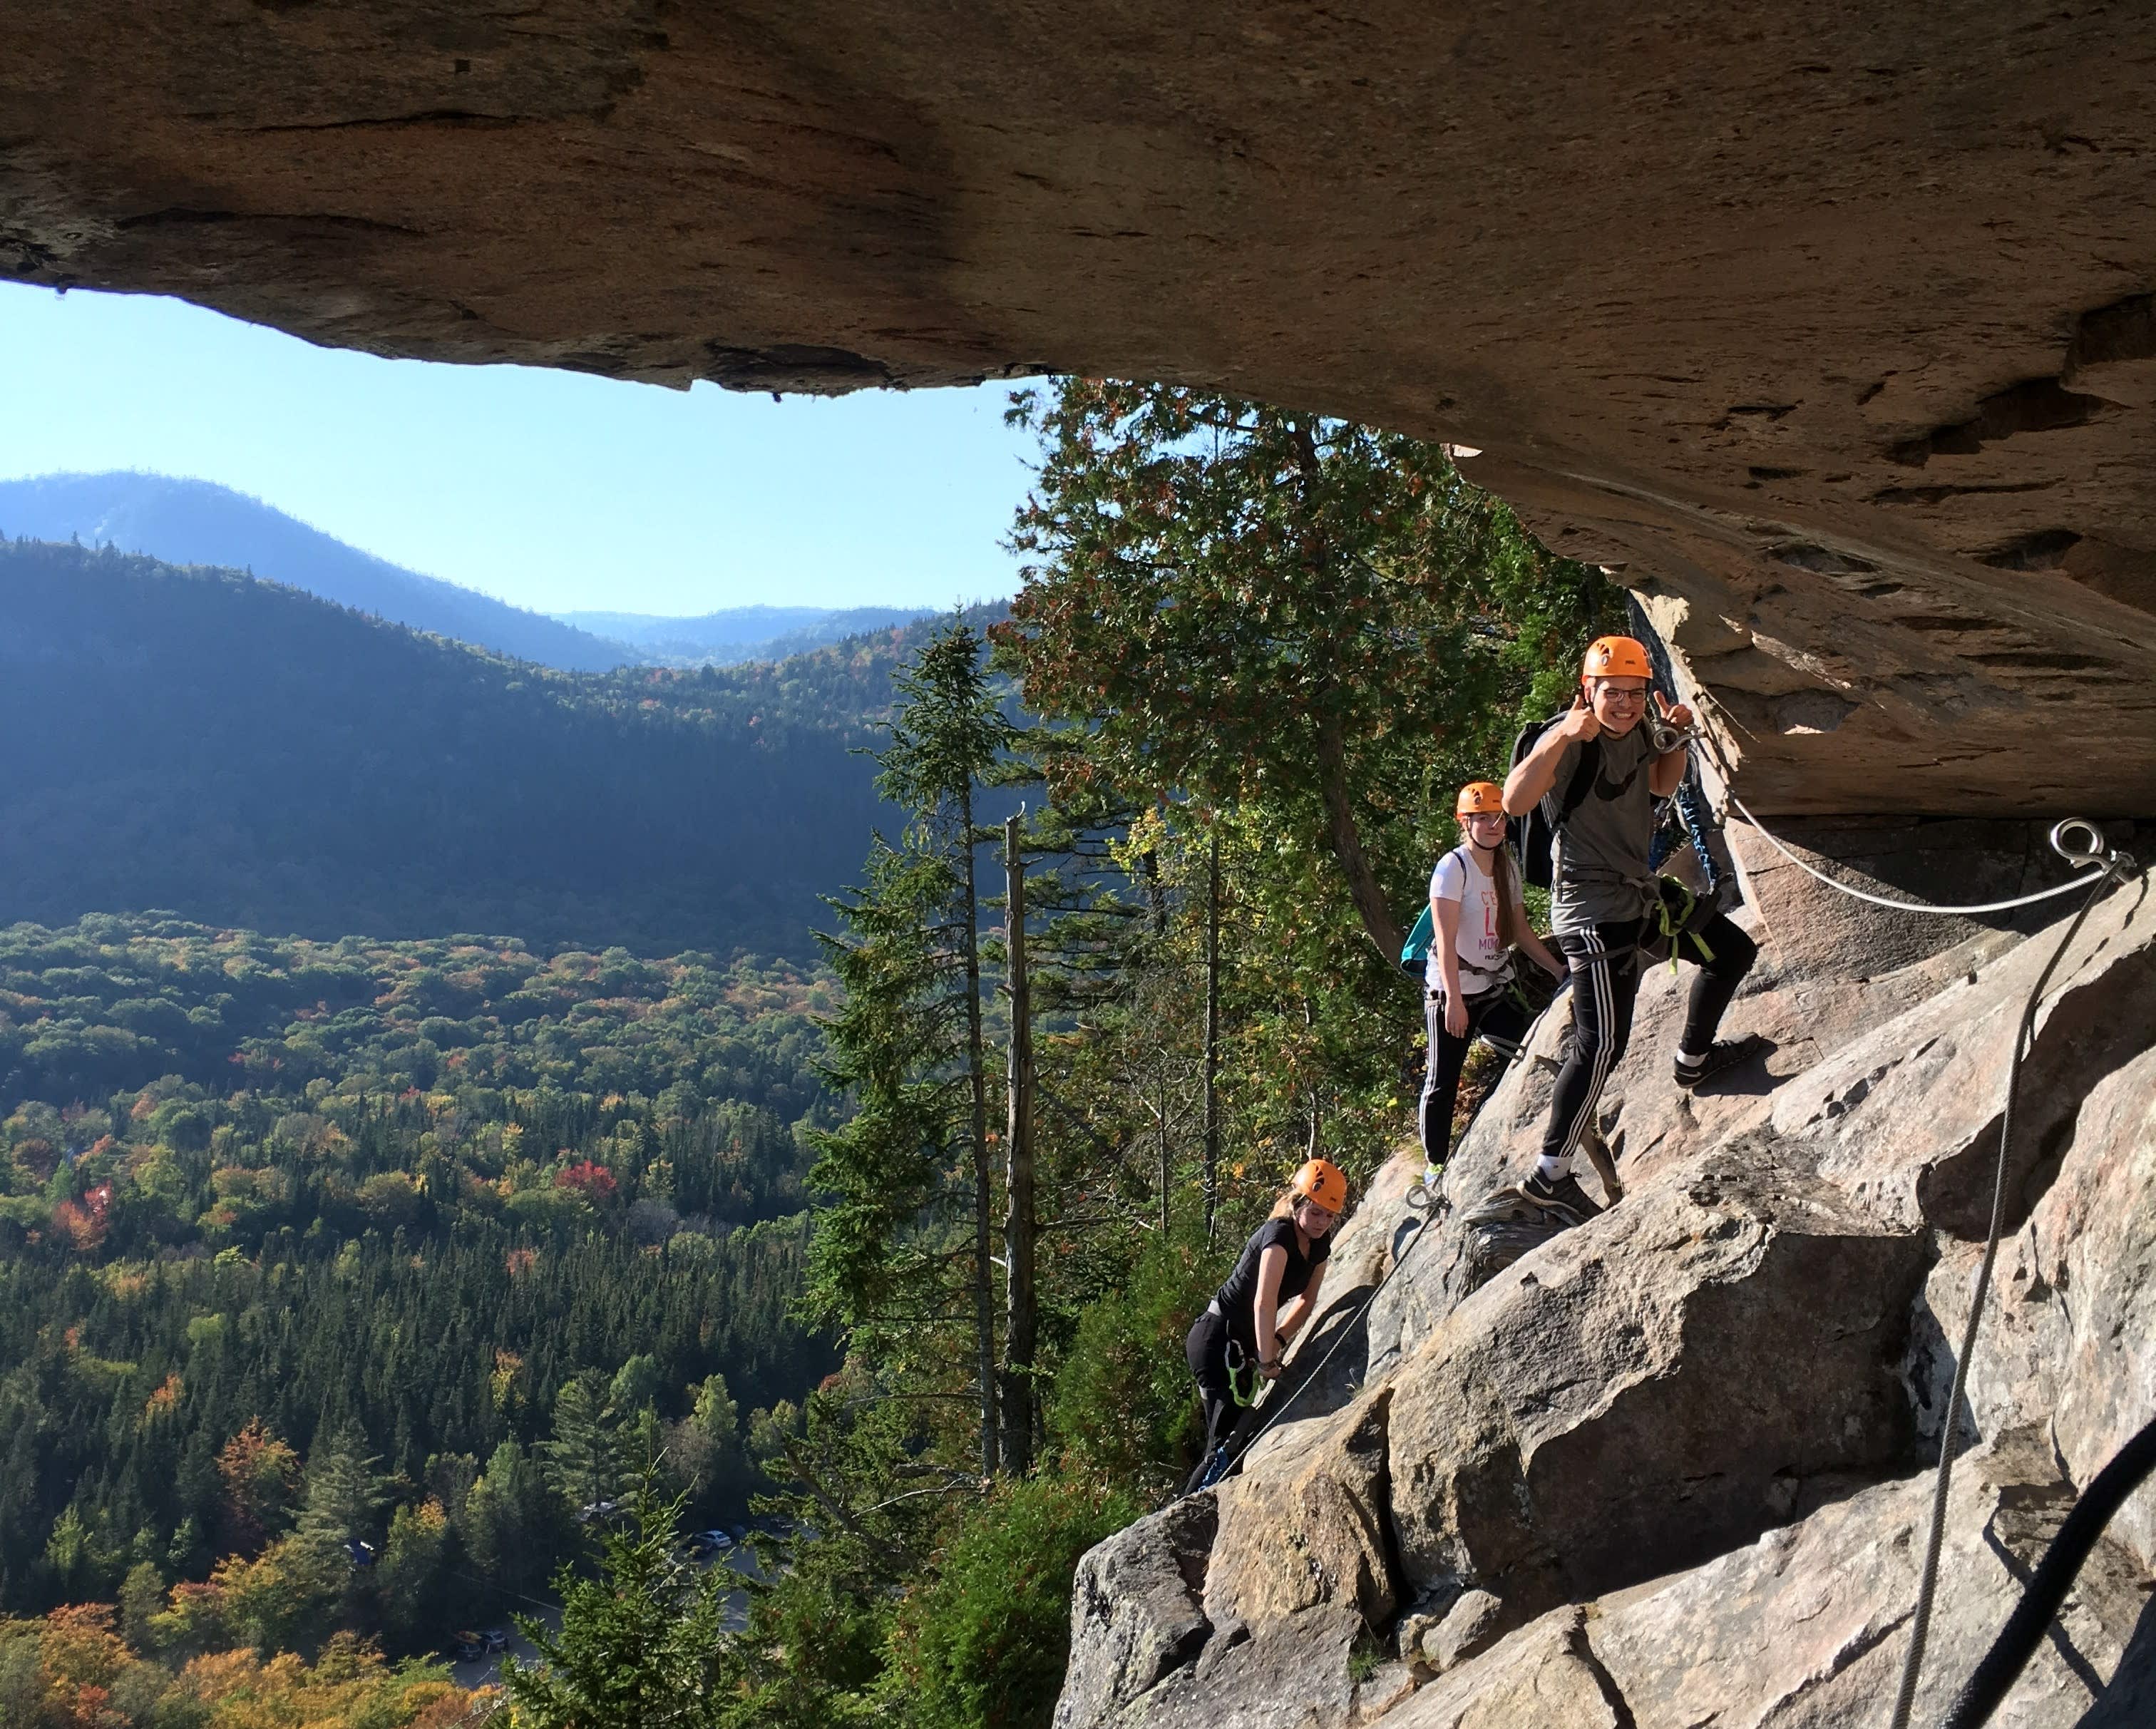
{"x":1239,"y":1339}
{"x":1478,"y":916}
{"x":1602,"y":890}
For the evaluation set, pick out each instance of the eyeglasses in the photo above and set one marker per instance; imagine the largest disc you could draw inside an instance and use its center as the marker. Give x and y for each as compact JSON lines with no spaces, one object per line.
{"x":1613,"y":695}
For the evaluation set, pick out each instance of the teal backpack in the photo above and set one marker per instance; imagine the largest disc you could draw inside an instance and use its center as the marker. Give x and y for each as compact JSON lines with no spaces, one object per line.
{"x":1415,"y":950}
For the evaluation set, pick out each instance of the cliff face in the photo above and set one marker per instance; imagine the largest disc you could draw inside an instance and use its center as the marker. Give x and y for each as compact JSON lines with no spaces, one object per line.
{"x":1671,"y":1468}
{"x":1832,"y":326}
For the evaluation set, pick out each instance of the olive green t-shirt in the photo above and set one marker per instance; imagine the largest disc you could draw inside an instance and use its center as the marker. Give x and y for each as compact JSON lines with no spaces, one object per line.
{"x":1598,"y":869}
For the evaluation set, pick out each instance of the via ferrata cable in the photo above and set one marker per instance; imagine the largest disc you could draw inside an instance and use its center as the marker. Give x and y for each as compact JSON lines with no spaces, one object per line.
{"x":2115,"y":864}
{"x":2107,"y":864}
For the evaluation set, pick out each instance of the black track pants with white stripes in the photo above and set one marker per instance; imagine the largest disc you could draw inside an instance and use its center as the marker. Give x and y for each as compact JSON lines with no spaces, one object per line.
{"x":1606,"y":983}
{"x":1494,"y":1016}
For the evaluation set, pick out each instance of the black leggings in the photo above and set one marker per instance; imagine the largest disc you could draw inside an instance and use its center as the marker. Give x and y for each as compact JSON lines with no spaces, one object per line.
{"x":1207,"y":1350}
{"x":1494,"y":1015}
{"x":1605,"y":984}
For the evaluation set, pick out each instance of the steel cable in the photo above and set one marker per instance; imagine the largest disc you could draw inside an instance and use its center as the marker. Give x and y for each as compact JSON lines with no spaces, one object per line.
{"x":1927,"y":1583}
{"x":2054,"y":1575}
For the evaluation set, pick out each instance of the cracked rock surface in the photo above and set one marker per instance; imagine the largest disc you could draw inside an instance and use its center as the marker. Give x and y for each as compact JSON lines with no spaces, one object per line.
{"x":1835,"y":327}
{"x":1673,"y":1468}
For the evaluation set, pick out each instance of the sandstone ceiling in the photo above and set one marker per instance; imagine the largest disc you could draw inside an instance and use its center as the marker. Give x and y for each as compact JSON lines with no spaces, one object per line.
{"x":1832,"y":325}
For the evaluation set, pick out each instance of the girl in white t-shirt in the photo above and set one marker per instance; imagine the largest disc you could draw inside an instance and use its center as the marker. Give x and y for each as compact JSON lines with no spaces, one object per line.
{"x":1475,"y":906}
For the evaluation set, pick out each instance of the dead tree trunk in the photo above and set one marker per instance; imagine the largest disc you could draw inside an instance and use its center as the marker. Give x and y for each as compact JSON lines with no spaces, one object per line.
{"x":1021,"y":1315}
{"x":1212,"y":1174}
{"x":984,"y":1296}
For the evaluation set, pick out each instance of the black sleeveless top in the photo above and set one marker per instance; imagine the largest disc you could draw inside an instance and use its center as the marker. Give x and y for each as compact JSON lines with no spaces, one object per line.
{"x":1239,"y":1297}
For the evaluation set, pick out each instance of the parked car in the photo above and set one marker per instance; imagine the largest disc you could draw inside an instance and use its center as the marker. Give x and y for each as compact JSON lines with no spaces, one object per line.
{"x":701,"y":1543}
{"x":494,"y":1639}
{"x":466,"y":1648}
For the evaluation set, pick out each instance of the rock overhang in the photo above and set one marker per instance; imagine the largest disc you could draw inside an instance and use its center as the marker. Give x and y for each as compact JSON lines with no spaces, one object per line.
{"x":1833,"y":330}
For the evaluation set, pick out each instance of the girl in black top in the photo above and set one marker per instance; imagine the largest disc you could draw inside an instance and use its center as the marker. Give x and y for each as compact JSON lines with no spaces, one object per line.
{"x":1244,"y":1330}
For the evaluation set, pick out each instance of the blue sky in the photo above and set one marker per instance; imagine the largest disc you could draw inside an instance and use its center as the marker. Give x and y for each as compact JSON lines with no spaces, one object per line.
{"x":552,"y":490}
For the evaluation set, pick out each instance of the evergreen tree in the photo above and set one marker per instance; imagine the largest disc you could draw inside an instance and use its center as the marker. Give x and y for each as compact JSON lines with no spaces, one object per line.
{"x":888,"y":1259}
{"x":582,"y":1456}
{"x":512,"y":1518}
{"x":640,"y":1645}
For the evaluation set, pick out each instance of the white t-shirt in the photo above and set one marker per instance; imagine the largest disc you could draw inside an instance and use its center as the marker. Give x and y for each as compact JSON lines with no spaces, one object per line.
{"x":1485,"y":958}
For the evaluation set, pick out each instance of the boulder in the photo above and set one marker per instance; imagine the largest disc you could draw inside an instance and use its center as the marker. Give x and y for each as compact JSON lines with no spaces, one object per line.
{"x":1654,"y":1386}
{"x":1545,"y":1677}
{"x":1241,"y":1605}
{"x":2069,"y":1346}
{"x":1136,"y":1611}
{"x":1309,"y":1531}
{"x":1807,"y":1627}
{"x":1472,"y":1627}
{"x":1908,"y":1115}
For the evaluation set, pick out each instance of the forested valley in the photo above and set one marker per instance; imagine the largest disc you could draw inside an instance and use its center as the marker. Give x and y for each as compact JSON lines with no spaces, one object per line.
{"x":338,"y":1280}
{"x":357,"y":1283}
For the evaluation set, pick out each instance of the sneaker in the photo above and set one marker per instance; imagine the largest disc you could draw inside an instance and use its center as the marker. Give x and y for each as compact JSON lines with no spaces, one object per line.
{"x":1561,"y":1198}
{"x":1723,"y":1054}
{"x":1216,"y":1467}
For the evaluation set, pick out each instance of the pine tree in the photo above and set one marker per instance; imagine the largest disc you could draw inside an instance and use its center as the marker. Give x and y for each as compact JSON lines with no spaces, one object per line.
{"x":640,"y":1644}
{"x":912,"y":1166}
{"x":582,"y":1459}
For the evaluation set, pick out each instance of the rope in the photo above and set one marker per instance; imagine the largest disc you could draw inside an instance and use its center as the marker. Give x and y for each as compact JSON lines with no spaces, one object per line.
{"x":1303,"y":1385}
{"x":1695,"y":827}
{"x":2067,"y":887}
{"x":2047,"y":1587}
{"x":1927,"y":1584}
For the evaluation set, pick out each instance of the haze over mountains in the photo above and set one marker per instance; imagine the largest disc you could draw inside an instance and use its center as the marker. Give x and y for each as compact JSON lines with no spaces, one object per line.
{"x":198,"y":522}
{"x":737,"y":633}
{"x":246,"y":754}
{"x":183,"y":521}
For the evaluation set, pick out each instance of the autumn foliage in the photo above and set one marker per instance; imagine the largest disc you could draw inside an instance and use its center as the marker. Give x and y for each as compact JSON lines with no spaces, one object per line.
{"x":72,"y":1669}
{"x":594,"y":1181}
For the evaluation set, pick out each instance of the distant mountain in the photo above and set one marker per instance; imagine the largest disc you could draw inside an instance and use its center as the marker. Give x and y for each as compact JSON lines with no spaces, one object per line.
{"x":197,"y":522}
{"x":736,"y":634}
{"x":245,"y":755}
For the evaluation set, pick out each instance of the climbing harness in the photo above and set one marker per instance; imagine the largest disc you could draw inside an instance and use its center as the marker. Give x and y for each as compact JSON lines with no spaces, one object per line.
{"x":1238,"y":1361}
{"x":1677,"y":914}
{"x":2047,"y":1587}
{"x":1223,"y":1464}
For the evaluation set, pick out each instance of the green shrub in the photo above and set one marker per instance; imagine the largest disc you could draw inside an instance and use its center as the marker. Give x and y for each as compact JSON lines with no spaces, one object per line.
{"x":983,"y":1645}
{"x":1123,"y":1402}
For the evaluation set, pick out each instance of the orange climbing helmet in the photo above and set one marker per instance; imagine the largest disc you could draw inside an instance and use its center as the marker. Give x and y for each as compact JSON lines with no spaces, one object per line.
{"x":1322,"y":1183}
{"x":1616,"y":657}
{"x":1479,"y":798}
